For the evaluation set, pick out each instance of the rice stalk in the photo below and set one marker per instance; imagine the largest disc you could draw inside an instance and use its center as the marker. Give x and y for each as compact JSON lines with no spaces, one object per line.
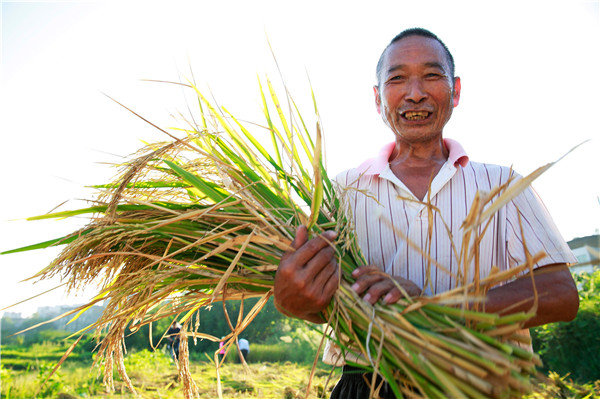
{"x":207,"y":217}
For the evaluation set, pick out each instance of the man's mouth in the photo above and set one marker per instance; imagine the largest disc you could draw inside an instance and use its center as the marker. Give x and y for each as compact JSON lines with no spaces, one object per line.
{"x":416,"y":115}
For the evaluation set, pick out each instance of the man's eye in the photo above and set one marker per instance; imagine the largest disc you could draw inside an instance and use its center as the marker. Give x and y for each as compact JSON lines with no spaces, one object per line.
{"x":433,"y":76}
{"x":399,"y":77}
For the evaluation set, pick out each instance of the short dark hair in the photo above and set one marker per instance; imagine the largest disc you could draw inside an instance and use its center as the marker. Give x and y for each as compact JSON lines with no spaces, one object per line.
{"x":415,"y":32}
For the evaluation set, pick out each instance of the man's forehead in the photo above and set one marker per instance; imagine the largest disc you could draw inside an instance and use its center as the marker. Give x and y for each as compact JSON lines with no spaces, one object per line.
{"x":415,"y":49}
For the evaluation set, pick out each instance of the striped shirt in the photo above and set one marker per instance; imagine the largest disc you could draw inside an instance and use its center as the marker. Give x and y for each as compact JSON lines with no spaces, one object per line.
{"x":387,"y":217}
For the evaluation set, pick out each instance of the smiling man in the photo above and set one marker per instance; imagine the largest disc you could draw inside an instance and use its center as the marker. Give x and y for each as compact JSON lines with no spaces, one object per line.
{"x":415,"y":95}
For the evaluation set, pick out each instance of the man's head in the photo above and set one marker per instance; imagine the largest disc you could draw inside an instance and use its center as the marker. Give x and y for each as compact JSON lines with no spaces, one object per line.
{"x":415,"y":32}
{"x":417,"y":89}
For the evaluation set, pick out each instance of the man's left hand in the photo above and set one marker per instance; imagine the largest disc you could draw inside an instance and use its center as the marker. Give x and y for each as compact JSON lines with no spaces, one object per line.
{"x":376,"y":285}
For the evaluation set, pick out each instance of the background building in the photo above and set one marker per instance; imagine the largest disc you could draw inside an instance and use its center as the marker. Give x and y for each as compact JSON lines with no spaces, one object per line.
{"x":587,"y":252}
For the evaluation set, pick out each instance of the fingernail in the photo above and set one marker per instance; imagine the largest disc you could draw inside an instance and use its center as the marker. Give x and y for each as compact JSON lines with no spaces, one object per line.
{"x":387,"y":299}
{"x":367,"y":297}
{"x":330,"y":234}
{"x":355,"y":286}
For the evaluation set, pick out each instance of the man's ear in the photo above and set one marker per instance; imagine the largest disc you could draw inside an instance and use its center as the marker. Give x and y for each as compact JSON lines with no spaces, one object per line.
{"x":377,"y":99}
{"x":456,"y":92}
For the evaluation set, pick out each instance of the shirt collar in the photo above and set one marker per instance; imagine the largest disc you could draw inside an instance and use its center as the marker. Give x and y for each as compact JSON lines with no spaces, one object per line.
{"x":374,"y":166}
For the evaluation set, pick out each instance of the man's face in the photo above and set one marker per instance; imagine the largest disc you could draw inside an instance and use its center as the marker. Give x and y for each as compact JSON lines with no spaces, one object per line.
{"x":416,"y":94}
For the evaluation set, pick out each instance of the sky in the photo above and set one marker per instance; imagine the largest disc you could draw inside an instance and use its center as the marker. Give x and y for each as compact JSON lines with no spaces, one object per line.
{"x":529,"y":72}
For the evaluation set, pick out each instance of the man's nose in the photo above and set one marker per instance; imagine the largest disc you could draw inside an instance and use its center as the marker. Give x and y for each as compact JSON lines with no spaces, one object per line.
{"x":415,"y":92}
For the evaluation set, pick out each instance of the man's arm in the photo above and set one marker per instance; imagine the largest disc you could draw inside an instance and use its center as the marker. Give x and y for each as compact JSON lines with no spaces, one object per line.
{"x":307,"y":277}
{"x":557,"y":296}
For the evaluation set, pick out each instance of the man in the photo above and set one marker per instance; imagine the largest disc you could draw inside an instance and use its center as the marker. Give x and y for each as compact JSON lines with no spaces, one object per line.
{"x":173,"y":340}
{"x":415,"y":95}
{"x":244,"y":346}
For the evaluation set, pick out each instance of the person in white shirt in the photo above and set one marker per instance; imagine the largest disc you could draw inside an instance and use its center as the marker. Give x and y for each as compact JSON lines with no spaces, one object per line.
{"x":244,"y":346}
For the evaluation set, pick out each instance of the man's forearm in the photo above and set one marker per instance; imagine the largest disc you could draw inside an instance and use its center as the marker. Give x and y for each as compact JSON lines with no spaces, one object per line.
{"x":557,"y":296}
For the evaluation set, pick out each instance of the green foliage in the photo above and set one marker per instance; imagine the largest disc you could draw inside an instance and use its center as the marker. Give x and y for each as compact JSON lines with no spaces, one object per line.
{"x":50,"y":384}
{"x":6,"y":378}
{"x":299,"y":345}
{"x":282,"y":352}
{"x":266,"y":328}
{"x":155,"y":376}
{"x":20,"y":358}
{"x":13,"y":324}
{"x":589,"y":291}
{"x":557,"y":386}
{"x":147,"y":361}
{"x":572,"y":348}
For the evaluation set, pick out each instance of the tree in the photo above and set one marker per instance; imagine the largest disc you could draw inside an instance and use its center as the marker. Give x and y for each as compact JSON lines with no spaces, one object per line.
{"x":572,"y":348}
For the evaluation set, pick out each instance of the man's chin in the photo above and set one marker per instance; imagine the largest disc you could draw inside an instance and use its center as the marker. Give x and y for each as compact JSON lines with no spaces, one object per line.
{"x":417,"y":134}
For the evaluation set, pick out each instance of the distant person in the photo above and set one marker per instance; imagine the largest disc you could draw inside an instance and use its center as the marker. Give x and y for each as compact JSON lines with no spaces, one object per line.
{"x":244,"y":346}
{"x":173,"y":340}
{"x":222,"y":349}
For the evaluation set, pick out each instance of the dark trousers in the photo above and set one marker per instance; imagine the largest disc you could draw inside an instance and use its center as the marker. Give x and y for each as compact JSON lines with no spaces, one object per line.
{"x":175,"y":350}
{"x":355,"y":384}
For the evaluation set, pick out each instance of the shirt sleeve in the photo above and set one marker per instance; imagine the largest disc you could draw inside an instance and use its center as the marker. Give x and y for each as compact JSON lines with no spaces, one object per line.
{"x":530,"y":228}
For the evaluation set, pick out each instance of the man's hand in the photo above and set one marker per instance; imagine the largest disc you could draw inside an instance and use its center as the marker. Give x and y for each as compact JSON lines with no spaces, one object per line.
{"x":379,"y":285}
{"x":307,"y":277}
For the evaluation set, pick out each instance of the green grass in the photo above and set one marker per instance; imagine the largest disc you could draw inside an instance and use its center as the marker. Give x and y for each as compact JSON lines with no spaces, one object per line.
{"x":20,"y":358}
{"x":263,"y":380}
{"x":155,"y":375}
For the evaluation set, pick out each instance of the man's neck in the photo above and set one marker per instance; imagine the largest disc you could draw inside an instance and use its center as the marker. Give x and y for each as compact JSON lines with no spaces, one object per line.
{"x":419,"y":153}
{"x":416,"y":164}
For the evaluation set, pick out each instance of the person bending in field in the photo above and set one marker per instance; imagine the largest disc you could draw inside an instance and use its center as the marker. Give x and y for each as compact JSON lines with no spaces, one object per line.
{"x":415,"y":95}
{"x":244,"y":346}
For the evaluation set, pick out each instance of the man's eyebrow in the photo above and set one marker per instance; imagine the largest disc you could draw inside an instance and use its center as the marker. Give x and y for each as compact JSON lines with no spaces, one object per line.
{"x":432,"y":64}
{"x":435,"y":65}
{"x":394,"y":68}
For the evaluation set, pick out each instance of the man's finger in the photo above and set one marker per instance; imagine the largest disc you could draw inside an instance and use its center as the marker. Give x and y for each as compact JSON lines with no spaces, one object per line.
{"x":365,"y":281}
{"x":311,"y":249}
{"x":326,"y":273}
{"x":301,"y":237}
{"x":320,"y":260}
{"x":361,"y":270}
{"x":333,"y":283}
{"x":325,"y":283}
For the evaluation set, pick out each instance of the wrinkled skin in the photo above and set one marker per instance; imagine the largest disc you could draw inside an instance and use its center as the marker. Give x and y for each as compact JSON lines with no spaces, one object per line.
{"x":307,"y":276}
{"x":416,"y":77}
{"x":376,"y":285}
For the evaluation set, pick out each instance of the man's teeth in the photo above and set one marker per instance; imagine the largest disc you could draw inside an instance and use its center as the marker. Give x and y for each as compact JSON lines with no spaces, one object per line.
{"x":416,"y":115}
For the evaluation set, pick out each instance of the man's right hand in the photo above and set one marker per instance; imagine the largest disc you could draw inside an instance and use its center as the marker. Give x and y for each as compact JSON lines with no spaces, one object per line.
{"x":307,"y":276}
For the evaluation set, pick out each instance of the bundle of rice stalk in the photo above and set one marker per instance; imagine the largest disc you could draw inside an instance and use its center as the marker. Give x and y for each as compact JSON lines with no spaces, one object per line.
{"x":207,"y":217}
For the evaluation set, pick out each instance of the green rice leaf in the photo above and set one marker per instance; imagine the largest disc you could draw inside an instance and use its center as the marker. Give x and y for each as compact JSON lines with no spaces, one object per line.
{"x":206,"y":187}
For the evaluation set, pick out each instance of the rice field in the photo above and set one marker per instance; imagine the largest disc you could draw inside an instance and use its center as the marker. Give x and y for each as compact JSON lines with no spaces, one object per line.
{"x":155,"y":375}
